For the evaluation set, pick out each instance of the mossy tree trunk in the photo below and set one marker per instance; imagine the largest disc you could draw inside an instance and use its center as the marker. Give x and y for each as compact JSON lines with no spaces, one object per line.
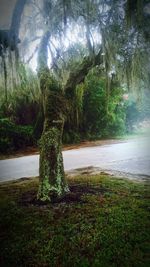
{"x":52,"y":176}
{"x":52,"y":181}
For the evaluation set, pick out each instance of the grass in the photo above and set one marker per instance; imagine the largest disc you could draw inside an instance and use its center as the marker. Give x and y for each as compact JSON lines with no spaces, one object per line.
{"x":103,"y":222}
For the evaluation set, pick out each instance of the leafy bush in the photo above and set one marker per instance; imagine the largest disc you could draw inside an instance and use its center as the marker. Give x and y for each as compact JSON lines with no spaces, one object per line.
{"x":103,"y":113}
{"x":94,"y":106}
{"x":14,"y":137}
{"x":71,"y":137}
{"x":116,"y":115}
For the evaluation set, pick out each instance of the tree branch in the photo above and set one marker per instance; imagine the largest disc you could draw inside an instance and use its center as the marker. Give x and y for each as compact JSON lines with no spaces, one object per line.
{"x":77,"y":76}
{"x":32,"y":55}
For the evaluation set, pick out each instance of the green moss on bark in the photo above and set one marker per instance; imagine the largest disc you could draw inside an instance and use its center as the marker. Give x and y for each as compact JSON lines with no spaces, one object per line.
{"x":52,"y":176}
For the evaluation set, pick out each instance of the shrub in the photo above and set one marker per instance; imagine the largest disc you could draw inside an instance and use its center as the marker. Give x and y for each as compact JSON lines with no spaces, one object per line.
{"x":71,"y":137}
{"x":14,"y":137}
{"x":103,"y":113}
{"x":94,"y":105}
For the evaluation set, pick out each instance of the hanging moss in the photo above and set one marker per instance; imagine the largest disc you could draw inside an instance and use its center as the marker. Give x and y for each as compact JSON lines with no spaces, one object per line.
{"x":134,"y":12}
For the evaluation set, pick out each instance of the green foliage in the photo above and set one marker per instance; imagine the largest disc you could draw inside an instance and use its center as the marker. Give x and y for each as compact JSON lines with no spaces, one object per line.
{"x":73,"y":124}
{"x":48,"y":81}
{"x":24,"y":100}
{"x":102,"y":111}
{"x":24,"y":112}
{"x":96,"y":111}
{"x":116,"y":114}
{"x":93,"y":111}
{"x":14,"y":137}
{"x":94,"y":105}
{"x":71,"y":136}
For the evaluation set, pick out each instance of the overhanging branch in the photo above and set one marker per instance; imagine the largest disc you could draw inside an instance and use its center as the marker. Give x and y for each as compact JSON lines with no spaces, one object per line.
{"x":78,"y":75}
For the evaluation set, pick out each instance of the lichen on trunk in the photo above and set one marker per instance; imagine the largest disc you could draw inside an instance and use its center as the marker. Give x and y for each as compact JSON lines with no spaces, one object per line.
{"x":52,"y":177}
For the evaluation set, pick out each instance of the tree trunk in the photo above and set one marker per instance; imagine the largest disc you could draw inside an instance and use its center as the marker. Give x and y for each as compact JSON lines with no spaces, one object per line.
{"x":16,"y":18}
{"x":52,"y":176}
{"x":52,"y":183}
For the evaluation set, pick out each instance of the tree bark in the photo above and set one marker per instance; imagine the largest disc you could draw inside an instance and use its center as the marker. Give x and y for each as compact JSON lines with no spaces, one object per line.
{"x":76,"y":77}
{"x":16,"y":18}
{"x":52,"y":183}
{"x":52,"y":176}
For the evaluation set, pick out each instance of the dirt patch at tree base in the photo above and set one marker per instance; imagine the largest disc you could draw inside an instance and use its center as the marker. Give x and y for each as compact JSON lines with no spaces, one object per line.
{"x":73,"y":196}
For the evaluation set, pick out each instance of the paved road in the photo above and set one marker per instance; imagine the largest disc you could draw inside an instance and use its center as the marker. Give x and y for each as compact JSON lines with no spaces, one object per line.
{"x":131,"y":157}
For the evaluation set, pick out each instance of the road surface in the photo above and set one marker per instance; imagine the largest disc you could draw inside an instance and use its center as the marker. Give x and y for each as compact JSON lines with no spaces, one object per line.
{"x":131,"y":157}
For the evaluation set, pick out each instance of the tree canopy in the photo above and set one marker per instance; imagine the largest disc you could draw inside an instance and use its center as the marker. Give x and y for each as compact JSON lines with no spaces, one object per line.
{"x":116,"y":30}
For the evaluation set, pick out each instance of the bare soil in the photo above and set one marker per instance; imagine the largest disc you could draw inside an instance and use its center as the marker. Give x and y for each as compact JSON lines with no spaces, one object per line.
{"x":75,"y":195}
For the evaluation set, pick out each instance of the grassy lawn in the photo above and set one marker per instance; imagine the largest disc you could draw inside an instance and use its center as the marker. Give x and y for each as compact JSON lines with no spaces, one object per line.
{"x":103,"y":222}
